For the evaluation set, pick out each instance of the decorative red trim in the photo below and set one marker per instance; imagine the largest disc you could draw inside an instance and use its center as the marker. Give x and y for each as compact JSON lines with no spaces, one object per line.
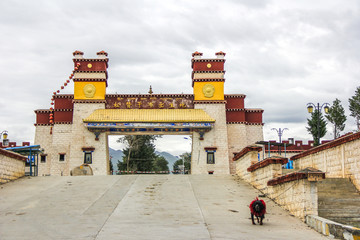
{"x":88,"y":101}
{"x":337,"y":142}
{"x":267,"y":162}
{"x":88,"y":149}
{"x":91,"y":71}
{"x":246,"y":150}
{"x":208,"y":60}
{"x":63,"y":110}
{"x":102,"y":53}
{"x":42,"y":111}
{"x":209,"y":80}
{"x":89,"y":79}
{"x":291,"y":177}
{"x":209,"y":72}
{"x":71,"y":96}
{"x":91,"y":59}
{"x":236,"y":122}
{"x":254,"y":110}
{"x":13,"y":155}
{"x":220,"y":53}
{"x":63,"y":122}
{"x":210,"y":148}
{"x":235,"y":95}
{"x":197,"y":54}
{"x":42,"y":124}
{"x":150,"y":95}
{"x":209,"y":102}
{"x":246,"y":123}
{"x":77,"y":52}
{"x":236,"y":110}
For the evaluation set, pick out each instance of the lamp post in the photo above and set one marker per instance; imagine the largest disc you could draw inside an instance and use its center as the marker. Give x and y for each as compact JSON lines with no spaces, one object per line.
{"x":310,"y":107}
{"x":4,"y":135}
{"x":280,"y":133}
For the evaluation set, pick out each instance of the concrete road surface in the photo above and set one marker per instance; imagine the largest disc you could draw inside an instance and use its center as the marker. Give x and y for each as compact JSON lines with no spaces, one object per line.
{"x":139,"y":207}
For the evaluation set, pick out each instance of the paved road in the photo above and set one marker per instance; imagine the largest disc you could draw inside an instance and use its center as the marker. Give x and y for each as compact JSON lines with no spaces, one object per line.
{"x":139,"y":207}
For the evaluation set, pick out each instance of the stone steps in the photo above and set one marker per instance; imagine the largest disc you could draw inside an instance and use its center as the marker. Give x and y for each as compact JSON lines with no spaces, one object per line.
{"x":339,"y":201}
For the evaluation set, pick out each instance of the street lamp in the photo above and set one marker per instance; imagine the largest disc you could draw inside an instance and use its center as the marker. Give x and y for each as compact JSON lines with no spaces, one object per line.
{"x":280,"y":132}
{"x":310,"y":107}
{"x":4,"y":134}
{"x":5,"y":141}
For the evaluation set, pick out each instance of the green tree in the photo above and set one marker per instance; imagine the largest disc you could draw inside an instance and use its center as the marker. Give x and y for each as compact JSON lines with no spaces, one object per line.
{"x":139,"y":153}
{"x":354,"y":107}
{"x":111,"y":166}
{"x":336,"y":116}
{"x":121,"y":166}
{"x":185,"y":159}
{"x":160,"y":164}
{"x":316,"y":126}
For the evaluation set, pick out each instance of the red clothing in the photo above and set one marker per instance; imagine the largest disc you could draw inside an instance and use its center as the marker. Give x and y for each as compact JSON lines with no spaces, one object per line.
{"x":263,"y":211}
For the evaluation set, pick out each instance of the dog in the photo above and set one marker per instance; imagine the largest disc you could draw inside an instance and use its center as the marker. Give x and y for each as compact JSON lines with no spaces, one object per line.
{"x":257,"y":209}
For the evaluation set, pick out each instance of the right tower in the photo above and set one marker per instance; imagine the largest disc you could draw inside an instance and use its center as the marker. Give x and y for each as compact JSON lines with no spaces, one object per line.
{"x":235,"y":126}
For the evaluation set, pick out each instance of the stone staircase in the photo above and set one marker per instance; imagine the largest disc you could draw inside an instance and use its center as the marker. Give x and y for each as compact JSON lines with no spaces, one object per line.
{"x":339,"y":201}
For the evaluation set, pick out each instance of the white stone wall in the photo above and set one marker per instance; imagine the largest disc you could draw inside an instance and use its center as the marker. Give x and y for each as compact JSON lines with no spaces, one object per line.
{"x":44,"y":139}
{"x":217,"y":137}
{"x":11,"y":168}
{"x":298,"y":197}
{"x":82,"y":137}
{"x":254,"y":133}
{"x":342,"y":161}
{"x":60,"y":144}
{"x":243,"y":163}
{"x":237,"y":140}
{"x":240,"y":136}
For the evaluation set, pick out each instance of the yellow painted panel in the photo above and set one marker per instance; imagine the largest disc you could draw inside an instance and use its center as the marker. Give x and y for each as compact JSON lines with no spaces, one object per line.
{"x":200,"y":88}
{"x":89,"y":90}
{"x":149,"y":115}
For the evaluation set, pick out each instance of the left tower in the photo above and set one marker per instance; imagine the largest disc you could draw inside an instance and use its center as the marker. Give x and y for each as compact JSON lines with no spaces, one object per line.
{"x":61,"y":131}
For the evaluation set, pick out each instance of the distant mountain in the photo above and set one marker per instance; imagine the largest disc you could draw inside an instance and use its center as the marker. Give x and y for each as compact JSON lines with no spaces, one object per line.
{"x":117,"y":155}
{"x":169,"y":157}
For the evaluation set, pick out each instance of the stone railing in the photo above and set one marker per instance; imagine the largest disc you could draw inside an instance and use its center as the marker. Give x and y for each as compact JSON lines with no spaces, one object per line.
{"x":12,"y":166}
{"x":293,"y":192}
{"x":339,"y":158}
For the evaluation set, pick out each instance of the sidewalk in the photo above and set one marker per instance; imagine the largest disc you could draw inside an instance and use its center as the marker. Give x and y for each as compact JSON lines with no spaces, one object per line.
{"x":139,"y":207}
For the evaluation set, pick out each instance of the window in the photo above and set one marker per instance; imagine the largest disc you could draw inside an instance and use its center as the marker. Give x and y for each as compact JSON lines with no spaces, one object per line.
{"x":88,"y":157}
{"x":43,"y":159}
{"x":61,"y":157}
{"x":210,"y":158}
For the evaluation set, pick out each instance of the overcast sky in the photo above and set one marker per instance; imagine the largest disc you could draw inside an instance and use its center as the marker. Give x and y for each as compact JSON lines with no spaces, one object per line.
{"x":280,"y":54}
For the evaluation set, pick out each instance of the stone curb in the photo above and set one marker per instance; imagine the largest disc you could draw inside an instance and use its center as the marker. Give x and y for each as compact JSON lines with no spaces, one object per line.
{"x":333,"y":229}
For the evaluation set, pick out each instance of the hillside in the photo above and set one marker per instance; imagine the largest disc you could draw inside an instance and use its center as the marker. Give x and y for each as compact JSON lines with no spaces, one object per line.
{"x":118,"y":155}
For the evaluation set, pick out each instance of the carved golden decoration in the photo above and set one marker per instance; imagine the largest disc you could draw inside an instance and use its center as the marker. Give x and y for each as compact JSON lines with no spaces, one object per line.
{"x":89,"y":90}
{"x":208,"y":90}
{"x":128,"y":104}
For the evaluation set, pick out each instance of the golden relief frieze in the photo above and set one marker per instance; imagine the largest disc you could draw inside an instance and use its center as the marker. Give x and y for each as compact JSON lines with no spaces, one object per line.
{"x":152,"y":102}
